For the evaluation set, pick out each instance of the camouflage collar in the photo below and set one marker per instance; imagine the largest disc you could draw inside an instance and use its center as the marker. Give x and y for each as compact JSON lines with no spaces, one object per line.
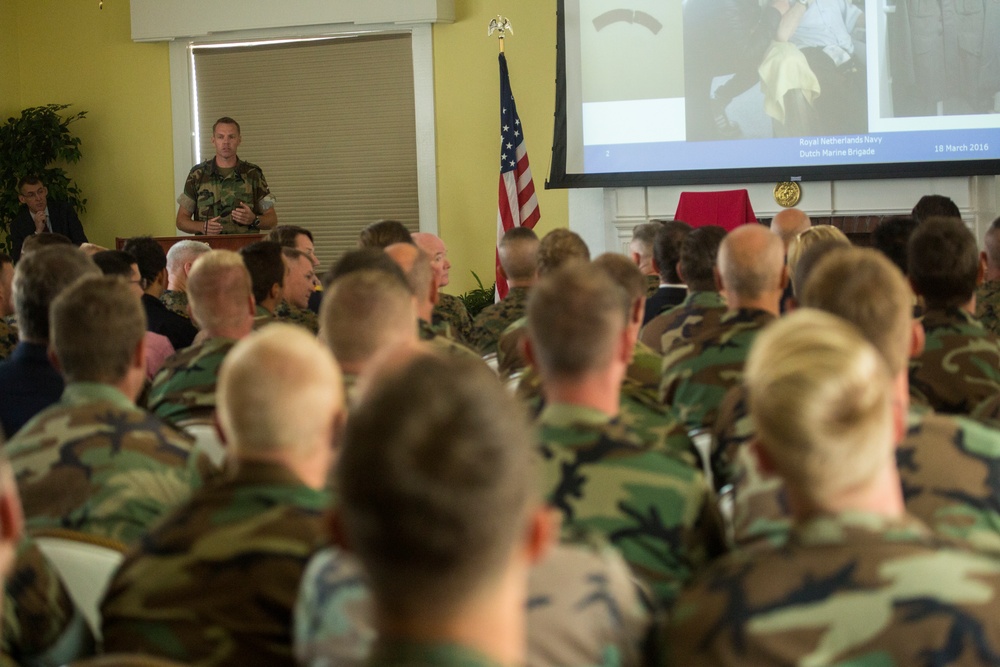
{"x":79,"y":393}
{"x":944,"y":316}
{"x":408,"y":652}
{"x":855,"y":525}
{"x":213,"y":167}
{"x":566,"y":414}
{"x":704,"y":300}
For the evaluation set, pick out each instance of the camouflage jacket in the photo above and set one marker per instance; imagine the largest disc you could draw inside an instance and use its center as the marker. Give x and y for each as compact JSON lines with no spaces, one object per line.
{"x":492,"y":320}
{"x":262,"y":317}
{"x":40,"y":622}
{"x":960,"y":365}
{"x":949,"y":469}
{"x":8,"y":339}
{"x":176,"y":301}
{"x":286,"y":312}
{"x":584,"y":608}
{"x":451,"y":310}
{"x":652,"y":285}
{"x":698,"y":371}
{"x":208,"y":194}
{"x":988,"y":305}
{"x":95,"y":463}
{"x":398,"y":653}
{"x":184,"y":389}
{"x":698,"y":310}
{"x":441,"y":338}
{"x":510,"y":360}
{"x":649,"y":502}
{"x":215,"y":582}
{"x":855,"y":589}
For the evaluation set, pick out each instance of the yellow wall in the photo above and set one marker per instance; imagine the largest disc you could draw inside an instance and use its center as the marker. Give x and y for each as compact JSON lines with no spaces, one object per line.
{"x":466,"y":93}
{"x":10,"y":85}
{"x":72,"y":52}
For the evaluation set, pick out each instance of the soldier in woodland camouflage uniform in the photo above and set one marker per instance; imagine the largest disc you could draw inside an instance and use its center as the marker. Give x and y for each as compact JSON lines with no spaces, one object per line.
{"x":180,"y":258}
{"x":263,"y":260}
{"x":365,"y":313}
{"x":518,"y":252}
{"x":640,"y":251}
{"x":648,"y":499}
{"x":40,"y":622}
{"x":416,"y":265}
{"x":584,"y":607}
{"x":215,"y":582}
{"x":94,"y":462}
{"x":557,"y":248}
{"x":222,"y":304}
{"x":8,"y":332}
{"x":859,"y":581}
{"x":299,"y":283}
{"x":448,"y":309}
{"x":703,"y":306}
{"x":697,"y":371}
{"x":960,"y":364}
{"x":988,"y":292}
{"x":423,"y":550}
{"x":225,"y":195}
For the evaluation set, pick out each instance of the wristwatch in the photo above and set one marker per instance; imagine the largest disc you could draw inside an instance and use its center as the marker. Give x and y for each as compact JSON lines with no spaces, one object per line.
{"x":255,"y":224}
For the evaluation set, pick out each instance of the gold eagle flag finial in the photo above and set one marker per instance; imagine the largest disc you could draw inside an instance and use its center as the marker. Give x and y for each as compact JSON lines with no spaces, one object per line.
{"x":502,"y":25}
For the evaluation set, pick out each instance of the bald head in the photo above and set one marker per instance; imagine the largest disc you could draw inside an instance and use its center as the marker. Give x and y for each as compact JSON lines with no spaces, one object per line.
{"x":752,"y":268}
{"x":280,"y":398}
{"x":437,"y":251}
{"x":220,"y":292}
{"x":789,"y":223}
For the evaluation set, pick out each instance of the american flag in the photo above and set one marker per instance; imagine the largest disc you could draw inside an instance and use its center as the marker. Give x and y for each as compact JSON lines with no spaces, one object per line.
{"x":518,"y":206}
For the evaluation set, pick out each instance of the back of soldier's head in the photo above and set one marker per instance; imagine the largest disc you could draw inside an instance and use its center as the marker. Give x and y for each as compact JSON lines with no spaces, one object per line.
{"x":824,"y":236}
{"x":279,"y":391}
{"x":365,"y":312}
{"x":383,"y":234}
{"x":943,"y":262}
{"x":892,"y":236}
{"x":698,"y":255}
{"x":518,"y":252}
{"x":789,"y":223}
{"x":184,"y":252}
{"x":667,"y":248}
{"x":416,"y":266}
{"x":219,"y":289}
{"x":820,"y":401}
{"x":97,"y":324}
{"x":863,"y":287}
{"x":810,"y":237}
{"x":267,"y":268}
{"x":38,"y":279}
{"x":286,"y":235}
{"x":991,"y":244}
{"x":935,"y":206}
{"x":644,"y":237}
{"x":624,"y":272}
{"x":436,"y":483}
{"x":114,"y":262}
{"x":750,"y":261}
{"x":363,"y":259}
{"x":149,"y":255}
{"x":575,"y":317}
{"x":42,"y":240}
{"x":559,"y":247}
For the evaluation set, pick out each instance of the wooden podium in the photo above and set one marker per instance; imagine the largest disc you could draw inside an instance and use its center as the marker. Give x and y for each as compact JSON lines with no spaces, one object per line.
{"x":217,"y":241}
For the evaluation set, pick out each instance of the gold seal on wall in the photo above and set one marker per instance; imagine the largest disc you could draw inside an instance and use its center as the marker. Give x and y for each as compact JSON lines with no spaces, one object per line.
{"x":787,"y":194}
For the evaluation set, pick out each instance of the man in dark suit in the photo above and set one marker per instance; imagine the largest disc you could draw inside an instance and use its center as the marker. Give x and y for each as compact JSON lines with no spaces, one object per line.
{"x":666,"y":255}
{"x":38,"y":214}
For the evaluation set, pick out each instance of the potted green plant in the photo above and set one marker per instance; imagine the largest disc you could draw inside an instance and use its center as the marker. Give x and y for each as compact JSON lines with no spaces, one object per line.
{"x":31,"y":144}
{"x":477,"y":299}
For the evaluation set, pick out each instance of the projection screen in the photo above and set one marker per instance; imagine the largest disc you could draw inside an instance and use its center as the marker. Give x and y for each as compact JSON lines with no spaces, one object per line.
{"x":656,"y":92}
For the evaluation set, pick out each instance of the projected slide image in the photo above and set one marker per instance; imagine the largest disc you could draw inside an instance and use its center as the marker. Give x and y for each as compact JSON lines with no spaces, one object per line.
{"x":785,"y":69}
{"x":942,"y":58}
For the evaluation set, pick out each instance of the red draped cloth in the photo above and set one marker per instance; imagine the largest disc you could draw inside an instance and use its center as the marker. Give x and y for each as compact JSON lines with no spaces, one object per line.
{"x":727,"y":208}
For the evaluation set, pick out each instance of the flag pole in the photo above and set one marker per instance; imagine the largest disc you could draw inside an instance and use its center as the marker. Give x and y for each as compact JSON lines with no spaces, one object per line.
{"x":502,"y":25}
